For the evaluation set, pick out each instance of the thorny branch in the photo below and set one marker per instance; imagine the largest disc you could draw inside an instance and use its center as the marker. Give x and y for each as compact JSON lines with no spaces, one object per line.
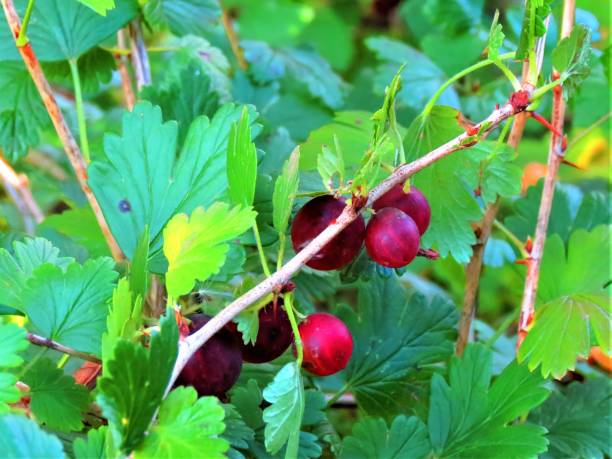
{"x":17,"y":187}
{"x":555,"y":157}
{"x":193,"y":342}
{"x":70,"y":146}
{"x":474,"y":268}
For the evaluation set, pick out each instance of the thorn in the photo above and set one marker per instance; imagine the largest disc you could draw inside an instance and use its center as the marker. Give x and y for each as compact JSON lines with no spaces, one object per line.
{"x":529,"y":244}
{"x":544,"y":122}
{"x":524,"y":261}
{"x":571,"y":164}
{"x":468,"y":126}
{"x":430,"y":254}
{"x":478,"y":191}
{"x":496,"y":106}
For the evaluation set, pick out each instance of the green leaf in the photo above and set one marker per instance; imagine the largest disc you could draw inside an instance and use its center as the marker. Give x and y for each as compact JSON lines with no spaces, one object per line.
{"x":95,"y":67}
{"x":454,"y":17}
{"x":285,"y":189}
{"x":371,"y":438}
{"x":301,"y":64}
{"x":571,"y":58}
{"x":236,"y":432}
{"x":496,"y":38}
{"x":138,"y":272}
{"x":183,"y":17}
{"x":248,"y":324}
{"x":421,"y":78}
{"x":184,"y":96}
{"x":393,"y":334}
{"x":187,"y":427}
{"x":70,"y":307}
{"x":17,"y":268}
{"x":241,"y":162}
{"x":283,"y":417}
{"x":81,"y":226}
{"x":329,"y":165}
{"x":468,"y":417}
{"x":51,"y":36}
{"x":93,"y":447}
{"x":13,"y":339}
{"x":55,"y":399}
{"x":578,"y":420}
{"x":134,"y":383}
{"x":123,"y":320}
{"x":533,"y":26}
{"x":141,"y":170}
{"x":453,"y":206}
{"x":21,"y":438}
{"x":22,"y":114}
{"x":99,"y":6}
{"x":196,"y":247}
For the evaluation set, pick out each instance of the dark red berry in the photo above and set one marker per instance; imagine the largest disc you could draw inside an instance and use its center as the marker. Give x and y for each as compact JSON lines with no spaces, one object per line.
{"x":392,"y":238}
{"x":414,"y":204}
{"x":274,"y":335}
{"x":327,"y":343}
{"x":314,"y":217}
{"x":215,"y":367}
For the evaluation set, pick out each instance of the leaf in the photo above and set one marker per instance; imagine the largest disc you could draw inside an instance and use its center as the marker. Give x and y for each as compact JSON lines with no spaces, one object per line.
{"x":454,"y":16}
{"x":496,"y":38}
{"x":123,"y":320}
{"x":93,"y":447}
{"x":248,"y":325}
{"x":241,"y":162}
{"x":99,"y":6}
{"x":22,"y":114}
{"x":196,"y":247}
{"x":81,"y":226}
{"x":51,"y":36}
{"x":187,"y":427}
{"x":405,"y":438}
{"x":183,"y":17}
{"x":571,"y":58}
{"x":421,"y":78}
{"x":446,"y":183}
{"x":141,"y":169}
{"x":393,"y":335}
{"x":301,"y":64}
{"x":70,"y":307}
{"x":533,"y":25}
{"x":13,"y":339}
{"x":236,"y":432}
{"x":283,"y":417}
{"x":329,"y":165}
{"x":184,"y":96}
{"x":285,"y":190}
{"x":578,"y":420}
{"x":134,"y":383}
{"x":55,"y":399}
{"x":95,"y":67}
{"x":138,"y":272}
{"x":21,"y":438}
{"x":468,"y":417}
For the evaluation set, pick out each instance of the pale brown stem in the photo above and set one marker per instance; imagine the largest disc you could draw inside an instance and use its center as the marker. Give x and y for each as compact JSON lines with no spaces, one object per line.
{"x":140,"y":57}
{"x":233,"y":39}
{"x":70,"y":146}
{"x":17,"y":187}
{"x":126,"y":82}
{"x":192,"y":343}
{"x":474,"y":268}
{"x":46,"y":342}
{"x":555,"y":157}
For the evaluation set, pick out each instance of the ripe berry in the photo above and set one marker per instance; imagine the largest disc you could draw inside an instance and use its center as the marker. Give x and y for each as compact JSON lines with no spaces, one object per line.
{"x":327,"y":344}
{"x":392,"y":238}
{"x":414,"y":204}
{"x":314,"y":217}
{"x":215,"y":367}
{"x":274,"y":335}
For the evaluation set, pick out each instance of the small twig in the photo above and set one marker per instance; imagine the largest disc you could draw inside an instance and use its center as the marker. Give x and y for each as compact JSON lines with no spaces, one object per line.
{"x":46,"y":342}
{"x":126,"y":82}
{"x":70,"y":146}
{"x":190,"y":345}
{"x":555,"y":157}
{"x":588,"y":130}
{"x":140,"y":57}
{"x":233,"y":39}
{"x":17,"y":186}
{"x":474,"y":267}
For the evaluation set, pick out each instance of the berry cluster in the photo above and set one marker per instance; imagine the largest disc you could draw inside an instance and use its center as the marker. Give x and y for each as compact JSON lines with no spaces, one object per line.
{"x":392,"y":236}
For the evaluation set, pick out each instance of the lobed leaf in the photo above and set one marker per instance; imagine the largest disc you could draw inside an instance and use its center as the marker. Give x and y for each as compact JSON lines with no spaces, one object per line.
{"x":285,"y":190}
{"x":21,"y":438}
{"x":241,"y":162}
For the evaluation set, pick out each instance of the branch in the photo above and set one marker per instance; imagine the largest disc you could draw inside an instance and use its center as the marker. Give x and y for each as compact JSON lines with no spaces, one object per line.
{"x":140,"y":57}
{"x":555,"y":157}
{"x":46,"y":342}
{"x":17,"y":187}
{"x":474,"y":267}
{"x":126,"y":82}
{"x":193,"y":342}
{"x":233,"y":39}
{"x":70,"y":146}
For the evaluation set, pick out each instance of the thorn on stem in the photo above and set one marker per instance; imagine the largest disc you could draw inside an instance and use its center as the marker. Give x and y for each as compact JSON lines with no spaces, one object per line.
{"x":430,"y":254}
